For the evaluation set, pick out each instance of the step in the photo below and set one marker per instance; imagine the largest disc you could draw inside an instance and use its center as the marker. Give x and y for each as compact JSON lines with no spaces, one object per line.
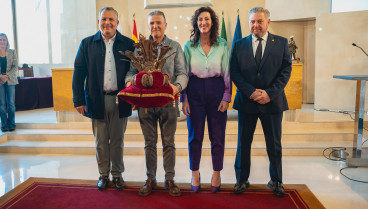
{"x":299,"y":138}
{"x":183,"y":125}
{"x":297,"y":135}
{"x":137,"y":148}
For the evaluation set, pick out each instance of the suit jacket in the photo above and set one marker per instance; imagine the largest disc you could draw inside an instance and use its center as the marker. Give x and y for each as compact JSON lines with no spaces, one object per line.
{"x":11,"y":66}
{"x":272,"y":75}
{"x":88,"y":75}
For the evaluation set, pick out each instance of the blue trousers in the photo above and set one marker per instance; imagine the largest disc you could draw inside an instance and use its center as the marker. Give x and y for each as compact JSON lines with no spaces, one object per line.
{"x":271,"y":124}
{"x":7,"y":106}
{"x":204,"y":97}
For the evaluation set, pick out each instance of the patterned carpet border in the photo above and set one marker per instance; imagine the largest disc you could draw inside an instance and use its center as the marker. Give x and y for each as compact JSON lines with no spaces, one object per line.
{"x":300,"y":194}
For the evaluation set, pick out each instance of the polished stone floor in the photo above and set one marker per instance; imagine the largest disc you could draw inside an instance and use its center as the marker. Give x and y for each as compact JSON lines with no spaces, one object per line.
{"x":322,"y":176}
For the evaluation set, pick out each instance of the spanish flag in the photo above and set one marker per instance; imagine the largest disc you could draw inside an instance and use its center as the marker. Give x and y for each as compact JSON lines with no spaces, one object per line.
{"x":134,"y":35}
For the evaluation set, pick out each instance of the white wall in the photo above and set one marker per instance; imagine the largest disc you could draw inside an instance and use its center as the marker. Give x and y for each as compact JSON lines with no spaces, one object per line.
{"x":175,"y":17}
{"x":297,"y":9}
{"x":336,"y":56}
{"x":178,"y":16}
{"x":74,"y":26}
{"x":333,"y":51}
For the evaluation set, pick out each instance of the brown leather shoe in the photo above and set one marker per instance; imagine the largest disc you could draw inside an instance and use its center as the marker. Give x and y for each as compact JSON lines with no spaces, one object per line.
{"x":173,"y":189}
{"x":119,"y":183}
{"x":147,"y":187}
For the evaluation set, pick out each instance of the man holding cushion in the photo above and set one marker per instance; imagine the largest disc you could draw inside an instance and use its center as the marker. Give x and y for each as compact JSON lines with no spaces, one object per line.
{"x":165,"y":115}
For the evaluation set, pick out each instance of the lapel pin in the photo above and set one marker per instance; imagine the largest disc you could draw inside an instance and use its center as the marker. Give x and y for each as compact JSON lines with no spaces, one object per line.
{"x":273,"y":40}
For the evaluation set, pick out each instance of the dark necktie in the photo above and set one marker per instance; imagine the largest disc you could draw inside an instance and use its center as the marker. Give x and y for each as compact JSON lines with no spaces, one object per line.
{"x":259,"y":52}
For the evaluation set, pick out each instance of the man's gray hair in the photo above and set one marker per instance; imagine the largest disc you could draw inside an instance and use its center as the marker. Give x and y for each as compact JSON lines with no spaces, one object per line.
{"x":107,"y":9}
{"x":157,"y":12}
{"x":259,"y":9}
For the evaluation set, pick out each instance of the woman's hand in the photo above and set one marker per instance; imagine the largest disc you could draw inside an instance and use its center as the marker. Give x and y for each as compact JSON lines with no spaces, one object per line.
{"x":186,"y":109}
{"x":223,"y":106}
{"x":4,"y":78}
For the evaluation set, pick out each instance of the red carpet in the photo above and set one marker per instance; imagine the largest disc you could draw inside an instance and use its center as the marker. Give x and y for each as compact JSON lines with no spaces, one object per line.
{"x":60,"y":193}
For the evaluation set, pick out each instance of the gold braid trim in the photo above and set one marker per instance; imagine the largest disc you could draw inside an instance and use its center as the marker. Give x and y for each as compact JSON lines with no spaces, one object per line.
{"x":147,"y":95}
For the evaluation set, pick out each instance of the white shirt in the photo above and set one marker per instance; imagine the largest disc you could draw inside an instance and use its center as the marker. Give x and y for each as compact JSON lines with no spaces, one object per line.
{"x":255,"y":43}
{"x":110,"y":81}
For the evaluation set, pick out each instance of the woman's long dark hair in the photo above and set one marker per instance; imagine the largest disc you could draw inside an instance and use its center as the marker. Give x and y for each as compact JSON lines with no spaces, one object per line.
{"x":195,"y":33}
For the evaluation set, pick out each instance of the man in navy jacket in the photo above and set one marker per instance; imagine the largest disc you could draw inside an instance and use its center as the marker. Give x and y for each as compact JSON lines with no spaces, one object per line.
{"x":98,"y":76}
{"x":260,"y":67}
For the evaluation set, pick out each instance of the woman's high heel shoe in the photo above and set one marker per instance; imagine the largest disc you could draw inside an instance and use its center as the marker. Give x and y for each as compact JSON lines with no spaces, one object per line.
{"x":196,"y":188}
{"x":215,"y":189}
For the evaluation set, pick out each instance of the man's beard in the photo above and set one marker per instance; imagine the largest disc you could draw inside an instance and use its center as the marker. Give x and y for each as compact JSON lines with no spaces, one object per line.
{"x":259,"y":35}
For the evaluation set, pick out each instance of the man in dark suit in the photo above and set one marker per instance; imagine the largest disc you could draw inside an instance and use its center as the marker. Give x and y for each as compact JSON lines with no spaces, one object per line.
{"x":98,"y":76}
{"x":260,"y":67}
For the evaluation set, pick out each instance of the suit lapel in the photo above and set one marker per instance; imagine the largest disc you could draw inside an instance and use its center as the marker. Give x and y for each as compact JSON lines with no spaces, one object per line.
{"x":271,"y":41}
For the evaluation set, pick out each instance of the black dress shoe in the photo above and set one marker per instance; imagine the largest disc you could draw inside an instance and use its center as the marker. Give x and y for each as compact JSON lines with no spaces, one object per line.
{"x":102,"y":183}
{"x":277,"y":188}
{"x":240,"y":187}
{"x":119,"y":183}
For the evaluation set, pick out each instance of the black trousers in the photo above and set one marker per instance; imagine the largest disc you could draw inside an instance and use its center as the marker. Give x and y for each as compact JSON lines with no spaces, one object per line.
{"x":271,"y":124}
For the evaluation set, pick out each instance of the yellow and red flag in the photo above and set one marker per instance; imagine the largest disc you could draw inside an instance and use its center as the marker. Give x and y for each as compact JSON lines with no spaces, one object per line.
{"x":134,"y":35}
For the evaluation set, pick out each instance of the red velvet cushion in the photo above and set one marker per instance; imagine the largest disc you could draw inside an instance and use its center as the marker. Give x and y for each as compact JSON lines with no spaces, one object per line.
{"x":148,"y":98}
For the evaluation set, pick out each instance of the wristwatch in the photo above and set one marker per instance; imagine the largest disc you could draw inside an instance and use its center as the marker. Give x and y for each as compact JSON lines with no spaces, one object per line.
{"x":179,"y":87}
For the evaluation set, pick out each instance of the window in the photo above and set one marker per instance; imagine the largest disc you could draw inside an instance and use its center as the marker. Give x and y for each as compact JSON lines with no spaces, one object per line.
{"x":32,"y":31}
{"x":348,"y":6}
{"x":6,"y":23}
{"x":49,"y":31}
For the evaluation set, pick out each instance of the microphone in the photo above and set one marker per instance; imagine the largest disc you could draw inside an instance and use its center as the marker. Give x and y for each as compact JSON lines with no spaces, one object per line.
{"x":359,"y":48}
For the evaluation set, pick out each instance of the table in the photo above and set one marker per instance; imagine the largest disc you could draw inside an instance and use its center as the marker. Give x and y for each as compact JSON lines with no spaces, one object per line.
{"x":357,"y":159}
{"x":33,"y":93}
